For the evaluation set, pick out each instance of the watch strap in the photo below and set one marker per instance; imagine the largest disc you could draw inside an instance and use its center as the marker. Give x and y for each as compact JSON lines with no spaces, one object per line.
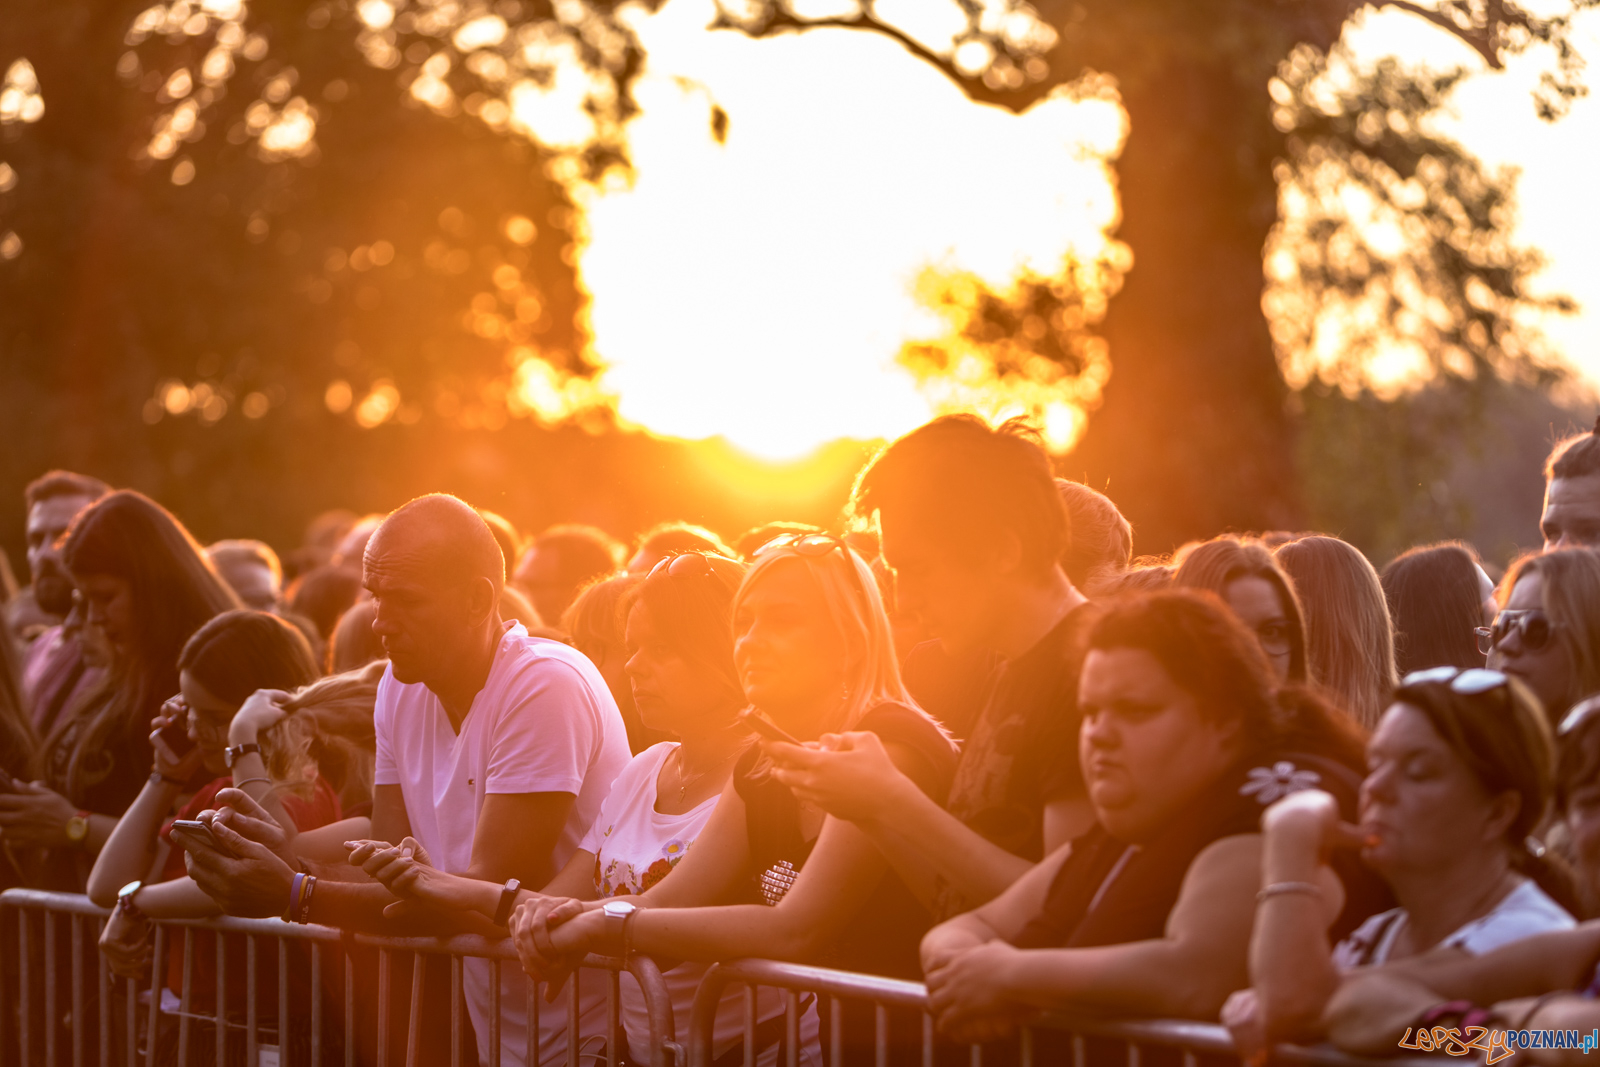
{"x":233,"y":753}
{"x":508,"y":899}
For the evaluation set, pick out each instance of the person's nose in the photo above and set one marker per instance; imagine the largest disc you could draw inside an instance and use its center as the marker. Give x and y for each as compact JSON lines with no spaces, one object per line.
{"x":1099,"y":732}
{"x":1378,"y":785}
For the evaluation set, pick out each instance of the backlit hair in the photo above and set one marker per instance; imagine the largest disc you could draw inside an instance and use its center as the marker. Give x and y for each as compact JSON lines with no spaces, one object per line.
{"x":965,"y":484}
{"x":1571,"y":592}
{"x":174,"y":590}
{"x":1213,"y":565}
{"x":329,"y":731}
{"x":63,"y":483}
{"x":1577,"y":456}
{"x":1349,"y":636}
{"x":1102,"y":540}
{"x":694,"y":617}
{"x":850,"y":596}
{"x":1436,"y":603}
{"x":241,"y":651}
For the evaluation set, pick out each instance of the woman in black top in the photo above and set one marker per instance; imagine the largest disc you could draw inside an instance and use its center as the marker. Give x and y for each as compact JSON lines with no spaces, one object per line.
{"x":769,"y":876}
{"x":1184,"y":741}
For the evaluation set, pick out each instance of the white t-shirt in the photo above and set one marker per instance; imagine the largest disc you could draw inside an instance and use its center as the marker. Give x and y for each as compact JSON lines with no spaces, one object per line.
{"x":1523,"y":912}
{"x":544,"y":722}
{"x":635,"y":846}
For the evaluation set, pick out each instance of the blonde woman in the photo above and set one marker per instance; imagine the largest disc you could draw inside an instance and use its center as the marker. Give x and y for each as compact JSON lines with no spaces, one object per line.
{"x":1349,"y":635}
{"x":813,"y":649}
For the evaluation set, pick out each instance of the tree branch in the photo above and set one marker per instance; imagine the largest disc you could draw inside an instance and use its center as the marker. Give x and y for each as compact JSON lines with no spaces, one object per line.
{"x":779,"y":20}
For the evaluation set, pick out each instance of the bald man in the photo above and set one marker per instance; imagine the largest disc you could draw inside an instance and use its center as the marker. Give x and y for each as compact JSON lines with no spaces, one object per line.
{"x":1572,"y":492}
{"x":495,"y":750}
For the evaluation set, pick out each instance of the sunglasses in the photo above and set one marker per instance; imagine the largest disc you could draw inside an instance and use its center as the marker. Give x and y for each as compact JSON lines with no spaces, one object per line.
{"x":1533,"y":627}
{"x":687,"y":566}
{"x":1469,"y":682}
{"x":814,"y":546}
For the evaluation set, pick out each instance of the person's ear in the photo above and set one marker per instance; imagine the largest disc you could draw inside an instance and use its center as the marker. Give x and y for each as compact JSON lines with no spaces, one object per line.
{"x":1503,"y":811}
{"x":482,"y":600}
{"x":1005,"y":553}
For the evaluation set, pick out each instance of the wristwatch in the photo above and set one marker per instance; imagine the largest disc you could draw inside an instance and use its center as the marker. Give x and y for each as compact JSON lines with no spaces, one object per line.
{"x":618,"y":913}
{"x":125,"y":904}
{"x":232,"y":753}
{"x":78,"y":827}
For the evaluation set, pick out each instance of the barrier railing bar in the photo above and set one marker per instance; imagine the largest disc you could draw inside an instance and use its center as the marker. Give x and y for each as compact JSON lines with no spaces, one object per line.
{"x":103,"y":988}
{"x":791,"y":1026}
{"x":75,"y":925}
{"x":316,"y":1004}
{"x":413,"y":1031}
{"x":835,"y":1032}
{"x":455,"y":1011}
{"x":494,"y":1014}
{"x":880,"y":1034}
{"x":186,"y":1002}
{"x":530,"y":1010}
{"x":613,"y":1015}
{"x":574,"y":998}
{"x":50,"y":1015}
{"x":1025,"y":1048}
{"x":749,"y":1026}
{"x":349,"y":1007}
{"x":26,"y":952}
{"x":222,"y":999}
{"x":383,"y":1008}
{"x":157,"y":959}
{"x":927,"y":1040}
{"x":252,"y":1035}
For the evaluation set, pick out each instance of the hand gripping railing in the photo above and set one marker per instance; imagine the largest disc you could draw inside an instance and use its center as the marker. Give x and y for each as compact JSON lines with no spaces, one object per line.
{"x":1192,"y":1039}
{"x":36,"y":910}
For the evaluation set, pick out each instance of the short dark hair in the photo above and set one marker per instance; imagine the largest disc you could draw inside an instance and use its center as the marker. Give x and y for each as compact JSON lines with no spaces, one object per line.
{"x":1577,"y":456}
{"x":967,"y":482}
{"x":583,"y":553}
{"x":63,"y":483}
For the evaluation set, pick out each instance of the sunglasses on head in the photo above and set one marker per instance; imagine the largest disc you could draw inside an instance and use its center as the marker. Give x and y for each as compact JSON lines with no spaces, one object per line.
{"x":1469,"y":682}
{"x":813,"y":546}
{"x":1533,"y":627}
{"x":686,"y":565}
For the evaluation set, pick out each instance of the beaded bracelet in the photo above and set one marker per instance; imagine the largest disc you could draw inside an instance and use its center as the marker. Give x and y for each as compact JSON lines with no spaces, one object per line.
{"x":305,"y":898}
{"x":294,"y":897}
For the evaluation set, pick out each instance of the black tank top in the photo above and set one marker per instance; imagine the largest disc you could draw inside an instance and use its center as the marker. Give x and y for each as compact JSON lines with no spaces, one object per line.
{"x":884,"y":934}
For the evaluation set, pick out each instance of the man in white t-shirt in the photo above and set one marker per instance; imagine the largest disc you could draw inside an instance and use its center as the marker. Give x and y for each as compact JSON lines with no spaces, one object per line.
{"x":494,"y":749}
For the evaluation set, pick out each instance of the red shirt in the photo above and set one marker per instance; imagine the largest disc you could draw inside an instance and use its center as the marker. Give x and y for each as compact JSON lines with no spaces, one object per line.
{"x":321,"y":809}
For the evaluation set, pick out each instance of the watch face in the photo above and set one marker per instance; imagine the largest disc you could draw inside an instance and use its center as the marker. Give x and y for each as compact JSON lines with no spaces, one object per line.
{"x":618,"y":909}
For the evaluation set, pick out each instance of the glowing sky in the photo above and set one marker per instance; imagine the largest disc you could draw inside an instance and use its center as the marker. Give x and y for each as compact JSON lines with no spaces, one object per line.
{"x":759,"y":289}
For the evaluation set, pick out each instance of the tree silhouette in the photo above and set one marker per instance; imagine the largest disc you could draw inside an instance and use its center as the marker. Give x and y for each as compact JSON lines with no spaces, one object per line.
{"x":1242,"y":134}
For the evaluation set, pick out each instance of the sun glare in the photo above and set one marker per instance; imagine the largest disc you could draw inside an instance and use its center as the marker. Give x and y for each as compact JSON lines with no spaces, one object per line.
{"x":761,"y":289}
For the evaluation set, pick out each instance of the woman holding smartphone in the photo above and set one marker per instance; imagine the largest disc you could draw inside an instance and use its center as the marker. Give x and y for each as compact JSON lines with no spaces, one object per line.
{"x":770,"y":876}
{"x":140,"y":871}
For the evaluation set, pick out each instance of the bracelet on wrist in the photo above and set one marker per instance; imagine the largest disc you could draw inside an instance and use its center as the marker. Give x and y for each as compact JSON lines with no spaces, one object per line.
{"x":508,"y":898}
{"x":158,"y":778}
{"x":1280,"y":889}
{"x":241,"y":783}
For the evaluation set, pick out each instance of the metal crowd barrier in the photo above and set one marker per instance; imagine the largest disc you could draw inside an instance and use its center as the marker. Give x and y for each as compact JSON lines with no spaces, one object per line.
{"x":1190,"y":1039}
{"x":26,"y":1002}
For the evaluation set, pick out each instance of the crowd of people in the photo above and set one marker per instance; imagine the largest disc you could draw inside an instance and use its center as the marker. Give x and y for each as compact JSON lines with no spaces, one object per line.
{"x":967,"y":740}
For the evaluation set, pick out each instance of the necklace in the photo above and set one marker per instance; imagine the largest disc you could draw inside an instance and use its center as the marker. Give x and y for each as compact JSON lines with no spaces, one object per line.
{"x":685,"y":782}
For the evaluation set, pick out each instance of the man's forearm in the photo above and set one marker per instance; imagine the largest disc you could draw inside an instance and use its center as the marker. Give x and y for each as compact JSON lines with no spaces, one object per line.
{"x":350,"y":905}
{"x":1157,"y":977}
{"x":938,"y":856}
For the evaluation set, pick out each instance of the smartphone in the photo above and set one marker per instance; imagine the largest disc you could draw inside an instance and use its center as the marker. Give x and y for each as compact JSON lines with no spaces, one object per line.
{"x":766,"y":727}
{"x":174,"y":737}
{"x":199,"y":829}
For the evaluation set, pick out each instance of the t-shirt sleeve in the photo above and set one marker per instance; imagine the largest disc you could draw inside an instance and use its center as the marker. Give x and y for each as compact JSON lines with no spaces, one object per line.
{"x":546,"y":732}
{"x":1525,"y":912}
{"x":384,"y":770}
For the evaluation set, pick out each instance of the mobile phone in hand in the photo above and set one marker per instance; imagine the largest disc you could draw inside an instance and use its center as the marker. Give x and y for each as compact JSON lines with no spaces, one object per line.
{"x":174,"y":739}
{"x":766,"y":727}
{"x":201,"y":830}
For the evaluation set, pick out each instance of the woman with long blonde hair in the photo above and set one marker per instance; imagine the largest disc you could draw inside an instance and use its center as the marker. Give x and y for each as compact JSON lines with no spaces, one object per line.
{"x":815,"y":657}
{"x":1349,"y":635}
{"x":1548,"y":630}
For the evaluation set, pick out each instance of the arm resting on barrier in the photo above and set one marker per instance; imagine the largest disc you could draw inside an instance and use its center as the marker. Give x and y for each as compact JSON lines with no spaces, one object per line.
{"x":842,"y":870}
{"x":1373,"y":1006}
{"x":1186,"y":974}
{"x":133,"y":851}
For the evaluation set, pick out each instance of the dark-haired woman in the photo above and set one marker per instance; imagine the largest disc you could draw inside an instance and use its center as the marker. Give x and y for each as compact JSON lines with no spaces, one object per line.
{"x":1256,"y":589}
{"x":1459,"y":774}
{"x":145,"y":587}
{"x":1185,"y":740}
{"x":1438,"y":597}
{"x":141,"y":870}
